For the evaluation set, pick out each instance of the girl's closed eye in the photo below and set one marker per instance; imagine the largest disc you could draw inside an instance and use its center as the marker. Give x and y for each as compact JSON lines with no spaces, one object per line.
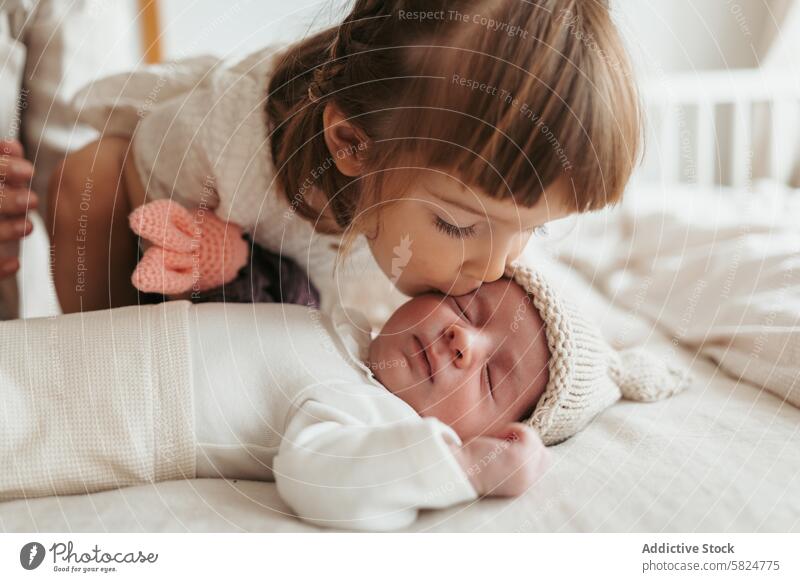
{"x":452,"y":230}
{"x":455,"y":231}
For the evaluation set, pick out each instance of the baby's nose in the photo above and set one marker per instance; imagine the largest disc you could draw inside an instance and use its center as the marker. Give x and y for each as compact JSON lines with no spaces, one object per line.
{"x":461,"y":346}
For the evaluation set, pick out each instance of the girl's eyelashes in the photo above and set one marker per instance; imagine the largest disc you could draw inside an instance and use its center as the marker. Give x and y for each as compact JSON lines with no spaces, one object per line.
{"x":452,"y":230}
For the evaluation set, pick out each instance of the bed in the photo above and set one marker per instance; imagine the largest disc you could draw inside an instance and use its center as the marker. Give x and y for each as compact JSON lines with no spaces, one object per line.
{"x":717,"y":288}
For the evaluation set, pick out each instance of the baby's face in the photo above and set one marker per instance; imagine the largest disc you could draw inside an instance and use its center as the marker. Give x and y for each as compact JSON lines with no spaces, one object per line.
{"x":475,"y":362}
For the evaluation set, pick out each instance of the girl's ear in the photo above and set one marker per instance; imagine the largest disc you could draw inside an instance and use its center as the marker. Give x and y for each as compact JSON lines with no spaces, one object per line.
{"x":346,"y":142}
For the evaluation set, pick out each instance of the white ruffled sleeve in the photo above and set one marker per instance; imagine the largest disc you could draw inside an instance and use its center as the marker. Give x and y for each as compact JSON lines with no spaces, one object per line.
{"x":170,"y":153}
{"x":209,"y":146}
{"x":336,"y":471}
{"x":199,"y":129}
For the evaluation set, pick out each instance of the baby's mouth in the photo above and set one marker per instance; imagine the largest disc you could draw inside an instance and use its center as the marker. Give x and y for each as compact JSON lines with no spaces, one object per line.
{"x":423,"y":355}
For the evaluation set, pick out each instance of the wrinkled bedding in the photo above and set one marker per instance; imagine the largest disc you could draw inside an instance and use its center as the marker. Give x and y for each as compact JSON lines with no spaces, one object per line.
{"x":722,"y":457}
{"x":717,"y":272}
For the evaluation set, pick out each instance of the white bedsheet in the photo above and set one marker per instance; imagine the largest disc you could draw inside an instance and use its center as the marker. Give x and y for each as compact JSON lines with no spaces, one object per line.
{"x":724,"y":456}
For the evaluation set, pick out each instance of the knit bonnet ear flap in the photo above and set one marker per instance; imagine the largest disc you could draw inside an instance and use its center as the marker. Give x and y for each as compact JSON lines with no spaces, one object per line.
{"x":587,"y":375}
{"x":644,"y":377}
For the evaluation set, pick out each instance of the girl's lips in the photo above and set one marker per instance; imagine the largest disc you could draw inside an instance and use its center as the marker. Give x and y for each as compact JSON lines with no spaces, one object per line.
{"x":460,"y":288}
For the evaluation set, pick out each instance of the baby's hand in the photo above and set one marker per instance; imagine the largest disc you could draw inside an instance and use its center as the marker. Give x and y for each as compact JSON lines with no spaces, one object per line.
{"x":506,"y":464}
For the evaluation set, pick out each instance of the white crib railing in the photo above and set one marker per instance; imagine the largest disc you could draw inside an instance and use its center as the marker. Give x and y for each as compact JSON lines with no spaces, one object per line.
{"x":722,"y":127}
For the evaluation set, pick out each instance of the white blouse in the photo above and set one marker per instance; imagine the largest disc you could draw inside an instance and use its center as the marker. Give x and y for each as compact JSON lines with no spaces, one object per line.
{"x":200,"y":136}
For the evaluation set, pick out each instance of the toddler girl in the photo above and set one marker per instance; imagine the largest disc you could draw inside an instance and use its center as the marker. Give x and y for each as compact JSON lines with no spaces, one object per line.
{"x":439,"y":135}
{"x":356,"y":433}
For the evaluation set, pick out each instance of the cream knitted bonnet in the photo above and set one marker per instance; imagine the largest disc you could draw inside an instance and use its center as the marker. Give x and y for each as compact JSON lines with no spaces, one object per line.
{"x":586,"y":374}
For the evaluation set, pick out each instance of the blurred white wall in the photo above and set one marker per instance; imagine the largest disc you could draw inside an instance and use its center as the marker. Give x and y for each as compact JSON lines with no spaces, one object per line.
{"x":117,"y":37}
{"x":239,"y":27}
{"x":684,"y":35}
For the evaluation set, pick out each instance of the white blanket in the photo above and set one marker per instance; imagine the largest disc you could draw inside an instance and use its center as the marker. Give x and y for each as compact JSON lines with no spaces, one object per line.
{"x":719,"y":273}
{"x":94,"y":401}
{"x":722,"y":457}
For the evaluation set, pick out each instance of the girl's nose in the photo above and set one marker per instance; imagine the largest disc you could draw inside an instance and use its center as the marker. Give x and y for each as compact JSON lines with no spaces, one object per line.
{"x":491,"y":266}
{"x":462,"y":345}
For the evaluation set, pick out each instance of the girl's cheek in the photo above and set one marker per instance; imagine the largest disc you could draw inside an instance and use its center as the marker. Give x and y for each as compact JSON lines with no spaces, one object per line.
{"x":439,"y":261}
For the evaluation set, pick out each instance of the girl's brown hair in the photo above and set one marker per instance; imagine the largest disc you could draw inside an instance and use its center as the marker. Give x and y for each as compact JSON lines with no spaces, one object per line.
{"x":507,"y":95}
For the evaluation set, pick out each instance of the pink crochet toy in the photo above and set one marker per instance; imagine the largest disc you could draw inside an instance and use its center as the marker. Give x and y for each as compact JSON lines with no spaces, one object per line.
{"x":191,"y":250}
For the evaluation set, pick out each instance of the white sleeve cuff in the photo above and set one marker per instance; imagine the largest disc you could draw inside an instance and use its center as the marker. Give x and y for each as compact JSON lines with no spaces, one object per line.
{"x":438,"y":473}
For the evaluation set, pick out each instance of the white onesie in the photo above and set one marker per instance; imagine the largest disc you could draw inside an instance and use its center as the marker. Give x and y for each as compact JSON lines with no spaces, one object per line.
{"x":251,"y":391}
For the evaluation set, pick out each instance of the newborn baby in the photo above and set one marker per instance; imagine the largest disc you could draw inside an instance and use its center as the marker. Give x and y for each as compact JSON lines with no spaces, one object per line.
{"x":357,"y":433}
{"x":362,"y":433}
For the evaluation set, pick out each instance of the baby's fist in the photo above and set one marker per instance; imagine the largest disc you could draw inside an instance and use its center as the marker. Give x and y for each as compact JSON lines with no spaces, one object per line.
{"x":506,"y":463}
